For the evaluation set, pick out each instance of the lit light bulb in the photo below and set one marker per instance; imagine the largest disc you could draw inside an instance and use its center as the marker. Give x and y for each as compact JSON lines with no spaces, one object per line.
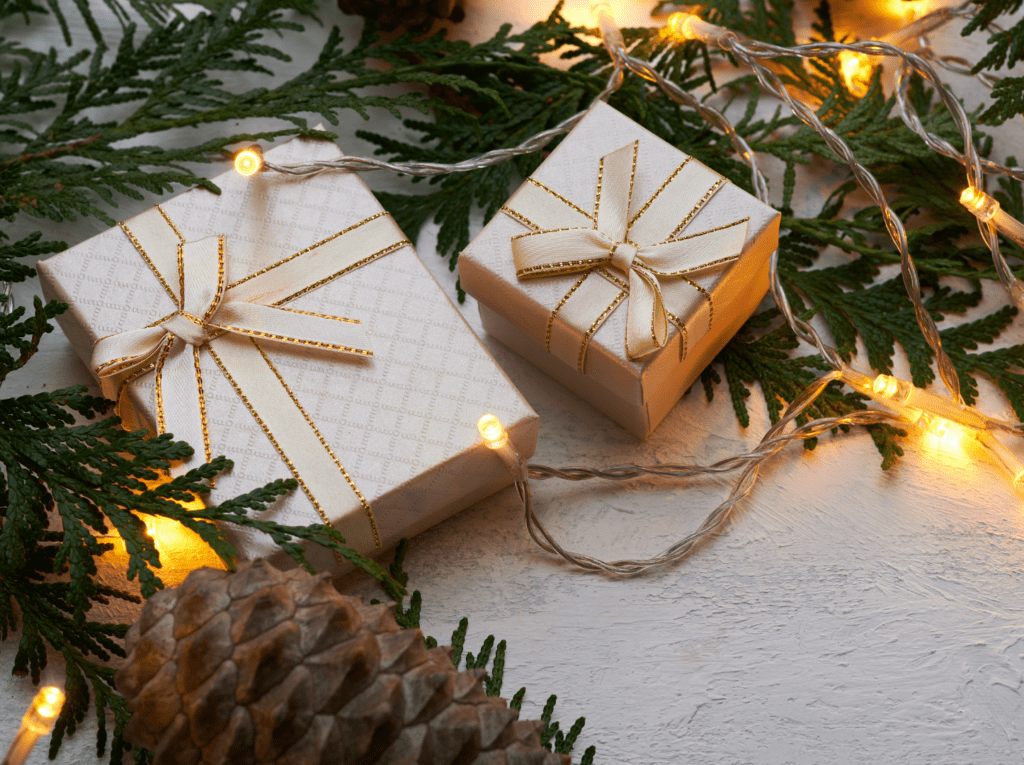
{"x":688,"y":26}
{"x":856,"y":69}
{"x":38,"y":721}
{"x":979,"y":203}
{"x":249,"y":161}
{"x":496,"y":438}
{"x":45,"y":708}
{"x":492,"y":432}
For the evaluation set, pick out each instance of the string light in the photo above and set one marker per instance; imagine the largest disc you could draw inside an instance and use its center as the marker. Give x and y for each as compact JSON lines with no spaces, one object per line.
{"x":857,"y":70}
{"x":496,"y":438}
{"x":249,"y":161}
{"x":988,"y":210}
{"x":38,"y":721}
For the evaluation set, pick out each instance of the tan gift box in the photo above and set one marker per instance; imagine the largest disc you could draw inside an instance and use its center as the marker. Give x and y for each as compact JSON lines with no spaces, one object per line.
{"x":312,"y":276}
{"x":614,"y":223}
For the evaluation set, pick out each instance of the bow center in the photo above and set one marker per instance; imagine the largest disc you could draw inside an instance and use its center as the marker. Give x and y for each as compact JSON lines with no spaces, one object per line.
{"x":187,"y":327}
{"x":623,"y":255}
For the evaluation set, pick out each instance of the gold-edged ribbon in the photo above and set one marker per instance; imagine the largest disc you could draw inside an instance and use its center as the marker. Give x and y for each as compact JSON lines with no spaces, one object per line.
{"x":230,"y":321}
{"x":624,"y":253}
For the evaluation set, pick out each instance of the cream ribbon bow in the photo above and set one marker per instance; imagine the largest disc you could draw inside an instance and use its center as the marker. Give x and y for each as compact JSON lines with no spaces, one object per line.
{"x":643,"y":245}
{"x":228,"y":321}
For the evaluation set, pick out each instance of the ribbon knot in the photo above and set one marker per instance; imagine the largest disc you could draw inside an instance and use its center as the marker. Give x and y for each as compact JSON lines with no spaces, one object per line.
{"x":646,"y":245}
{"x":186,"y":327}
{"x":623,"y":255}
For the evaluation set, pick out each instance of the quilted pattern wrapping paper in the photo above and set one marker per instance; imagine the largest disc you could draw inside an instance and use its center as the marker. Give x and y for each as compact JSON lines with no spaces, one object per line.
{"x":402,"y":423}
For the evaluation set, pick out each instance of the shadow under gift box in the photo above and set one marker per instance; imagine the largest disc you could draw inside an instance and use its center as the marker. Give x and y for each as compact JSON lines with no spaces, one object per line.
{"x":636,"y":394}
{"x":402,"y":424}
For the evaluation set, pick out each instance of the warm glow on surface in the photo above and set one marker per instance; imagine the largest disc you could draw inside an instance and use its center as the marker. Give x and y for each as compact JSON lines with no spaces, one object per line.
{"x":248,"y":161}
{"x":856,"y":69}
{"x":492,"y":431}
{"x":181,"y":550}
{"x":944,"y":436}
{"x":42,"y":714}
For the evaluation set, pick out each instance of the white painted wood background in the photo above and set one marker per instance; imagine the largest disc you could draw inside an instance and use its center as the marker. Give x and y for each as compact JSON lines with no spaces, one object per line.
{"x":846,"y":616}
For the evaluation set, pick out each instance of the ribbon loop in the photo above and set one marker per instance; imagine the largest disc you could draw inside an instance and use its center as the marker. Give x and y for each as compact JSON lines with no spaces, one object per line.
{"x":647,"y":248}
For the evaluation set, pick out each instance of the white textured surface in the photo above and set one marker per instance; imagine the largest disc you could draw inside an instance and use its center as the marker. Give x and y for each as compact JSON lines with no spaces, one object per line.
{"x":847,"y":616}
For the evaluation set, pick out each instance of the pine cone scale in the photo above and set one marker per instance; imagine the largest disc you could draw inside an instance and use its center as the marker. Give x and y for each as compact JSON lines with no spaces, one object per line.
{"x":271,"y":668}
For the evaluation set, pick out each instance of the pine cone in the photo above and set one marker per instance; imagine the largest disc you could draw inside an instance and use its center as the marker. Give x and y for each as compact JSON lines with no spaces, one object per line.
{"x":412,"y":14}
{"x":262,"y":666}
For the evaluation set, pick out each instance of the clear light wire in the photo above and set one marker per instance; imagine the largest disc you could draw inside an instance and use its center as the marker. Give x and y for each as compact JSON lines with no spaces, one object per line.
{"x":774,"y":441}
{"x":423,"y":169}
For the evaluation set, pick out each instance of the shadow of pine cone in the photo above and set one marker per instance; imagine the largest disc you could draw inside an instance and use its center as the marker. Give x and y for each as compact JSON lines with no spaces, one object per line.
{"x":264,"y":666}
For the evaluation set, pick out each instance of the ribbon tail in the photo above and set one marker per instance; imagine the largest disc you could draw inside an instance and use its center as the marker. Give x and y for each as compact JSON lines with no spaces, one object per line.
{"x":646,"y":319}
{"x":296,"y":438}
{"x":286,"y":325}
{"x":580,"y":314}
{"x":181,"y":405}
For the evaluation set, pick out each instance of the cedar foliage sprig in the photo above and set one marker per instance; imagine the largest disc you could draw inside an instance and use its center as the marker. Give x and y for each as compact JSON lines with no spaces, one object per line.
{"x":1006,"y":48}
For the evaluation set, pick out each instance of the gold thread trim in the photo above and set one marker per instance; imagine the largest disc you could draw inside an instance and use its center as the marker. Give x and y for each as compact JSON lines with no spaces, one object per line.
{"x":293,"y":340}
{"x":311,"y":247}
{"x":581,"y":361}
{"x":170,"y":223}
{"x":597,"y":194}
{"x":613,"y":278}
{"x":161,"y":424}
{"x":215,"y":303}
{"x":661,"y":188}
{"x":319,"y":315}
{"x":560,"y":198}
{"x":145,"y":257}
{"x":519,"y":217}
{"x":207,"y":453}
{"x":181,"y":274}
{"x":557,"y":269}
{"x":697,"y":208}
{"x":107,"y":364}
{"x":701,"y":267}
{"x":632,"y":178}
{"x":554,"y":313}
{"x":707,"y":296}
{"x":128,"y":381}
{"x":358,"y":264}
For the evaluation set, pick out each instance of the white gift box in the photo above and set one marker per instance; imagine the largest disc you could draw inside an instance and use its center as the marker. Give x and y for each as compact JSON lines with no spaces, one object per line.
{"x":384,"y":446}
{"x":615,"y":222}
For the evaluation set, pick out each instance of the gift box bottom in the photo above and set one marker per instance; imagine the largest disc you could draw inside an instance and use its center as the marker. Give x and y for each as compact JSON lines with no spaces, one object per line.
{"x":642,"y":419}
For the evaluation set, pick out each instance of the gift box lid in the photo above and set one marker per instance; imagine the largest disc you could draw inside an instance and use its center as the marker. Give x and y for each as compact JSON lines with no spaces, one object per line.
{"x":402,"y":423}
{"x":721,"y":293}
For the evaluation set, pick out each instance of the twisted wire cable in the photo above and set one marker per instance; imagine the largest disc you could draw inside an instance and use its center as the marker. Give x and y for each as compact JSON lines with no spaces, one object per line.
{"x":424,"y":169}
{"x":774,"y":441}
{"x":752,"y":52}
